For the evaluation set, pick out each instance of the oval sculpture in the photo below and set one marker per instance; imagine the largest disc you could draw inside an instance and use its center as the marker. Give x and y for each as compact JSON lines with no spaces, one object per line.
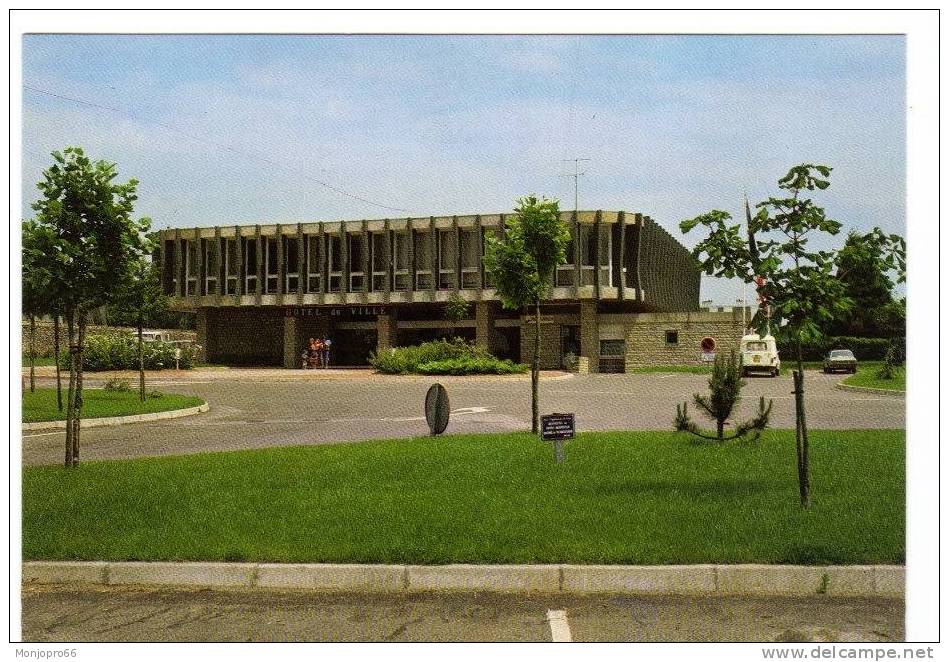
{"x":437,"y":408}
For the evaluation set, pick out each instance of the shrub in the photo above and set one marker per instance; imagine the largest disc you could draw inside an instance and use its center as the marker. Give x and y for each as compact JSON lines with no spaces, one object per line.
{"x":120,"y":352}
{"x":725,"y":392}
{"x":473,"y":366}
{"x":403,"y":360}
{"x":117,"y":385}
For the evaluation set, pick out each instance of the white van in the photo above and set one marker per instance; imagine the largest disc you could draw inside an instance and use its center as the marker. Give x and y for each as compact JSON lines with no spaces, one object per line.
{"x":759,"y":355}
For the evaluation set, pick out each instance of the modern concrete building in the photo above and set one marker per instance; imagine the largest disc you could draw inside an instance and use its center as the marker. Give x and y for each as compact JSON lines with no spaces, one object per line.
{"x":628,"y":295}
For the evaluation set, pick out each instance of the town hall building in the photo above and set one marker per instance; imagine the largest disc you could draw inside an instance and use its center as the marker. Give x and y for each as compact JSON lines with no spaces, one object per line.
{"x":628,"y":295}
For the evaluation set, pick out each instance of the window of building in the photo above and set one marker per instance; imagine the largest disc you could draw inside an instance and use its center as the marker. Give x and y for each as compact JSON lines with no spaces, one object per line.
{"x":169,"y":276}
{"x":423,"y":261}
{"x":380,"y":270}
{"x":250,"y":264}
{"x":470,"y":260}
{"x":192,"y":262}
{"x":211,"y":267}
{"x":231,"y":271}
{"x":606,"y":255}
{"x":314,"y":279}
{"x":400,"y":261}
{"x":566,"y":272}
{"x":335,"y":260}
{"x":672,"y":337}
{"x":291,"y":257}
{"x":497,"y":233}
{"x":357,"y":274}
{"x":587,"y":254}
{"x":271,"y":265}
{"x":447,"y":259}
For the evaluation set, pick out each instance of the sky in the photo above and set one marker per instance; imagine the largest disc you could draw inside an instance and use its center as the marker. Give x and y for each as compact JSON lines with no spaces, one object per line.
{"x":232,"y":129}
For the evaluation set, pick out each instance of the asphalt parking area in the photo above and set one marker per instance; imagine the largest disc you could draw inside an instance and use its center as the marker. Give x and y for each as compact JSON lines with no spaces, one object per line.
{"x":287,"y":408}
{"x":69,"y":613}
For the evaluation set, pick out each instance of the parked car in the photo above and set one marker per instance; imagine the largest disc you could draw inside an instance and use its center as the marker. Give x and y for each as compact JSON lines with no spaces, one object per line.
{"x":840,"y":359}
{"x":759,"y":355}
{"x":149,"y":335}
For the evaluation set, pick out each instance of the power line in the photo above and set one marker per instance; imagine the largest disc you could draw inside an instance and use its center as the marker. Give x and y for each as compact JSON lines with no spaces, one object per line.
{"x":322,"y":183}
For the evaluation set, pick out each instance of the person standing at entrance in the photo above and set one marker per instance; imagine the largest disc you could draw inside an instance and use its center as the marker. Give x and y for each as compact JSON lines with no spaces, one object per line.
{"x":326,"y":351}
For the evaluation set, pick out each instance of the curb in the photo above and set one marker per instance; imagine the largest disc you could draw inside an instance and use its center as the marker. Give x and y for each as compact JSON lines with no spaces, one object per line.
{"x":119,"y":420}
{"x":866,"y":389}
{"x":723,"y":580}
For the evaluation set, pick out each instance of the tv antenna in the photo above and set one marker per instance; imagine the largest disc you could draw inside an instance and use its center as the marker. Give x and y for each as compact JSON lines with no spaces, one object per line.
{"x":576,"y":174}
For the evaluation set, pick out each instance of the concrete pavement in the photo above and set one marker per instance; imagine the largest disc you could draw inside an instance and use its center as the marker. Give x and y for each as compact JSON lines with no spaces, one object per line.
{"x":70,"y":613}
{"x":264,"y":408}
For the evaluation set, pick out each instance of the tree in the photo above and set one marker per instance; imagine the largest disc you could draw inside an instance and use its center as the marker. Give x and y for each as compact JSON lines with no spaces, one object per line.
{"x":457,"y":309}
{"x":85,"y":230}
{"x":725,"y":387}
{"x":795,"y":283}
{"x":522,"y":263}
{"x":864,"y":265}
{"x":40,"y":296}
{"x":34,"y":281}
{"x":141,"y":295}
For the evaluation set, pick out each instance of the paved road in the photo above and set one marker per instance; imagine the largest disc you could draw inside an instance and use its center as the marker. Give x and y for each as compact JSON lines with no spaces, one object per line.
{"x":62,"y":613}
{"x":252,"y":409}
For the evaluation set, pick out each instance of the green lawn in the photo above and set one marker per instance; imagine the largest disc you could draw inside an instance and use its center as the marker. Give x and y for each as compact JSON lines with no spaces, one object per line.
{"x":786,"y":366}
{"x":38,"y":361}
{"x":41,"y":405}
{"x":620,"y":497}
{"x":867,"y":376}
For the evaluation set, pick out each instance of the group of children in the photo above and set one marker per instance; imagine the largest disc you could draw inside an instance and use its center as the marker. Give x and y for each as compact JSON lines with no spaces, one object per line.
{"x":317,"y":353}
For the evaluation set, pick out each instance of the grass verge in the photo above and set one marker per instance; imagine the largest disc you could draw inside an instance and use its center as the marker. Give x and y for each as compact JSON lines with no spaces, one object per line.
{"x":866,"y":376}
{"x":97,"y":403}
{"x":620,"y":497}
{"x":38,"y":361}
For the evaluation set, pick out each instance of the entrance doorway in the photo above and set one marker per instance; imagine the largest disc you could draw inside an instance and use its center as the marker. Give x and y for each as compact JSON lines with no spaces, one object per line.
{"x":351,"y":347}
{"x":569,"y":344}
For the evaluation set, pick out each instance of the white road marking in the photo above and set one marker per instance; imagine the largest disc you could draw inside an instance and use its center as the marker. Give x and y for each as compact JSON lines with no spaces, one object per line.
{"x":44,"y":434}
{"x":457,"y":412}
{"x":559,"y":627}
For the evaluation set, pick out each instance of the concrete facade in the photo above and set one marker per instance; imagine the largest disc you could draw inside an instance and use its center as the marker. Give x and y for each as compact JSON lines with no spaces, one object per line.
{"x":261,"y":291}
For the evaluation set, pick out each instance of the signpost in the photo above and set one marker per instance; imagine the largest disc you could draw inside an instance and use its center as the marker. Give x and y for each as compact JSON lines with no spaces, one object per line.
{"x":556,"y":428}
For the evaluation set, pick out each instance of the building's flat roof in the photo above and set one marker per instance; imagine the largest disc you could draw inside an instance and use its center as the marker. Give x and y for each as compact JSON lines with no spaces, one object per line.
{"x":463,"y":220}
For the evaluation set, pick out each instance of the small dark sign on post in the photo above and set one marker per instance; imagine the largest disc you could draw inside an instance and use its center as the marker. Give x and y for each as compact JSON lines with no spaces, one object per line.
{"x":557,"y":428}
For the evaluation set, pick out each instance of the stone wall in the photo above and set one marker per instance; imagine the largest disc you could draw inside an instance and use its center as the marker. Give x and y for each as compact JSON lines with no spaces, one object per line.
{"x":646,"y":336}
{"x":44,"y":335}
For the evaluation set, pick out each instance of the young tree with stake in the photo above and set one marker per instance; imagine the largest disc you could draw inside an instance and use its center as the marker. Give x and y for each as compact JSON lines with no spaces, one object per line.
{"x":141,"y":296}
{"x":797,"y":283}
{"x":84,"y":227}
{"x":522,"y":262}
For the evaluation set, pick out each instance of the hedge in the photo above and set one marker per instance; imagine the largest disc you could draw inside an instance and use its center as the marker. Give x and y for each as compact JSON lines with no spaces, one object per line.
{"x":120,"y":352}
{"x":407,"y":360}
{"x":866,"y":349}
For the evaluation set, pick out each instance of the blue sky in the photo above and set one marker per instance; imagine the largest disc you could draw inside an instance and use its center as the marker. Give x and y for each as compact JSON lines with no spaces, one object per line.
{"x":241,"y":129}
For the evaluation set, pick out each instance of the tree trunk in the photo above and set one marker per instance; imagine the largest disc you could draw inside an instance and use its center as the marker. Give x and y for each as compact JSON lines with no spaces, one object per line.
{"x":803,"y":464}
{"x":141,"y":363}
{"x":32,"y":353}
{"x":59,"y":383}
{"x":535,"y":371}
{"x":71,"y":392}
{"x":720,"y":425}
{"x":77,"y":423}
